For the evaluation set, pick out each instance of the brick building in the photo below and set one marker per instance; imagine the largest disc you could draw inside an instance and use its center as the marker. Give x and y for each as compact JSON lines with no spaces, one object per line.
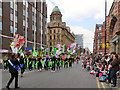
{"x":58,"y":32}
{"x":28,"y":19}
{"x":99,"y":39}
{"x":113,"y":27}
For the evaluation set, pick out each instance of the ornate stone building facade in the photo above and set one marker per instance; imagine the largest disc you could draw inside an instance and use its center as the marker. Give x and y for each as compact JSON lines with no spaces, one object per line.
{"x":58,"y":32}
{"x":113,"y":27}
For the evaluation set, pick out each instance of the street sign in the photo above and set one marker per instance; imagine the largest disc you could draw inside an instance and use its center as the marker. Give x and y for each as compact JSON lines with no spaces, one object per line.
{"x":103,"y":45}
{"x":28,"y":48}
{"x":107,"y":45}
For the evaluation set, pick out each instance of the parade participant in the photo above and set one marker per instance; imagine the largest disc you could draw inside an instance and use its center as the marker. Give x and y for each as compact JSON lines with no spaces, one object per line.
{"x":33,"y":62}
{"x":65,"y":62}
{"x":77,"y":59}
{"x":13,"y":69}
{"x":70,"y":62}
{"x":43,"y":63}
{"x":58,"y":64}
{"x":39,"y":64}
{"x":25,"y":62}
{"x":46,"y":63}
{"x":5,"y":61}
{"x":23,"y":68}
{"x":30,"y":63}
{"x":53,"y":63}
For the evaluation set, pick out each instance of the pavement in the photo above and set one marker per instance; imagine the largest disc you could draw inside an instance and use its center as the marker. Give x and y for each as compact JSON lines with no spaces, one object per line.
{"x":74,"y":77}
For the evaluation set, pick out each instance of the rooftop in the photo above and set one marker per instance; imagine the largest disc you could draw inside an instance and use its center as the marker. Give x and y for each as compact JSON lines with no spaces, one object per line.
{"x":56,"y":9}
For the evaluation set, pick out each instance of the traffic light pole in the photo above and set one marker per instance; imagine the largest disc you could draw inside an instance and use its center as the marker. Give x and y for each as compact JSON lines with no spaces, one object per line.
{"x":105,"y":23}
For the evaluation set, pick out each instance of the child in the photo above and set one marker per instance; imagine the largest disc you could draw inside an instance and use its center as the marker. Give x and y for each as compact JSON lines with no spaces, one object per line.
{"x":92,"y":71}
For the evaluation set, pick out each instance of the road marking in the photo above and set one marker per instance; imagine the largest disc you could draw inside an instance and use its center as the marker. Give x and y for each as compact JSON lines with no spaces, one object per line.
{"x":103,"y":85}
{"x":98,"y":83}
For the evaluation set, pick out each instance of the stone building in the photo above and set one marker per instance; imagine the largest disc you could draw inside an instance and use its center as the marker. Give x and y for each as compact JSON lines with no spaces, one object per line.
{"x":58,"y":32}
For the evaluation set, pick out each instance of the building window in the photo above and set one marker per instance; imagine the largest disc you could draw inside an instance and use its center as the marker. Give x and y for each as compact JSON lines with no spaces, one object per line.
{"x":54,"y":43}
{"x":11,"y":17}
{"x":54,"y":24}
{"x":58,"y":24}
{"x":50,"y":37}
{"x":24,"y":33}
{"x":11,"y":4}
{"x":1,"y":26}
{"x":23,"y":22}
{"x":23,"y":2}
{"x":54,"y":17}
{"x":100,"y":47}
{"x":54,"y":31}
{"x":50,"y":43}
{"x":99,"y":34}
{"x":23,"y":12}
{"x":32,"y":9}
{"x":16,"y":7}
{"x":58,"y":30}
{"x":99,"y":28}
{"x":0,"y":40}
{"x":54,"y":36}
{"x":100,"y":40}
{"x":11,"y":11}
{"x":16,"y":19}
{"x":0,"y":19}
{"x":0,"y":11}
{"x":50,"y":31}
{"x":11,"y":29}
{"x":16,"y":31}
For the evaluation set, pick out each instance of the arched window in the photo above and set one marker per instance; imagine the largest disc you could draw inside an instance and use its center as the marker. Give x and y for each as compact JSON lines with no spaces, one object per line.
{"x":54,"y":24}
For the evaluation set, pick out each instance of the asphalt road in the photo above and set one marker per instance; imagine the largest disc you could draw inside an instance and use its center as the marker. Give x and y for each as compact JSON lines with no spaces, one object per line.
{"x":74,"y":77}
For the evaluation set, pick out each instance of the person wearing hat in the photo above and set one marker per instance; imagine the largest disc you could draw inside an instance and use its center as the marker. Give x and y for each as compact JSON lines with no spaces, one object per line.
{"x":13,"y":64}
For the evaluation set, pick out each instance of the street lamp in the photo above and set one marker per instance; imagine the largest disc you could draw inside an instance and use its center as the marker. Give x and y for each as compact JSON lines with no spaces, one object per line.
{"x":105,"y":23}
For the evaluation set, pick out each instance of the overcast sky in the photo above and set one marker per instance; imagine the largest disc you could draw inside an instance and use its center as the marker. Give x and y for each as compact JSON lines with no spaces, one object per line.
{"x":81,"y":16}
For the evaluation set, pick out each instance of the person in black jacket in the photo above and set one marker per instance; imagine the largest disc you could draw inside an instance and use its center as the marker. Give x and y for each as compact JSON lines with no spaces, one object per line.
{"x":53,"y":63}
{"x":22,"y":63}
{"x":39,"y":64}
{"x":13,"y":71}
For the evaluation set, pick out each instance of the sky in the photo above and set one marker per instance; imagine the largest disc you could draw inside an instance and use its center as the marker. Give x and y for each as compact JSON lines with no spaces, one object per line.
{"x":82,"y":16}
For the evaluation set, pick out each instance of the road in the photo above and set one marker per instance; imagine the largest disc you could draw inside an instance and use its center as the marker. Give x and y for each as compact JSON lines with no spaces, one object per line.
{"x":74,"y":77}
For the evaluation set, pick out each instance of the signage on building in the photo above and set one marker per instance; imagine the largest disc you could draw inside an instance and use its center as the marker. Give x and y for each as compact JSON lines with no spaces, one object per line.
{"x":3,"y":51}
{"x":103,"y":45}
{"x":28,"y":48}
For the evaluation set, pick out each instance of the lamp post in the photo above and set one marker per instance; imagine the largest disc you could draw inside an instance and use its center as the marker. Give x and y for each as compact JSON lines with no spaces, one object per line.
{"x":105,"y":23}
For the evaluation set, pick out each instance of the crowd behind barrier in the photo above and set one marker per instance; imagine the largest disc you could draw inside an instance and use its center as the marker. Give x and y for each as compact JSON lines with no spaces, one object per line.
{"x":105,"y":67}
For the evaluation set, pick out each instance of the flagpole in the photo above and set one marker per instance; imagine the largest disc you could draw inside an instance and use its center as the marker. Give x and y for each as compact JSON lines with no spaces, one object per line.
{"x":105,"y":23}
